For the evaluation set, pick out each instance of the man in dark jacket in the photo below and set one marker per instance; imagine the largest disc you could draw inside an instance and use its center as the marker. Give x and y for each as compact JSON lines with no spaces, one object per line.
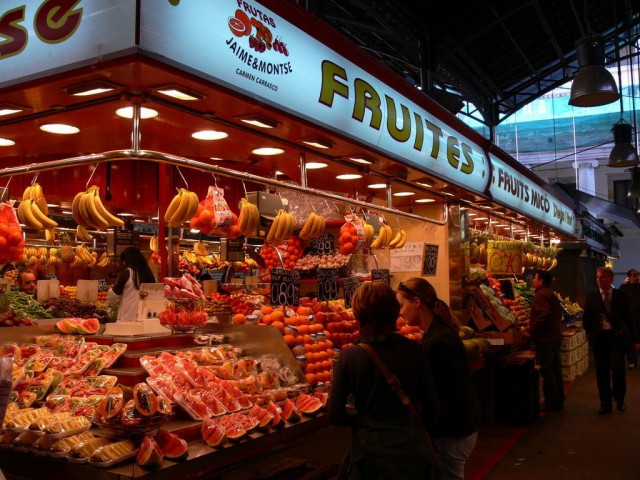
{"x":605,"y":319}
{"x":632,"y":290}
{"x":544,"y":329}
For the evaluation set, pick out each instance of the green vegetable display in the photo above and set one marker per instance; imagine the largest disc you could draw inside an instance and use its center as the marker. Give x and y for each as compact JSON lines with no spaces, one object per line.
{"x":23,"y":305}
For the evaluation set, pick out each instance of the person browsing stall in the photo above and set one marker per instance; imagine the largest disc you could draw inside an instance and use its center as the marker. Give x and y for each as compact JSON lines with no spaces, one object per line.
{"x":124,"y":293}
{"x":456,"y":429}
{"x":27,"y":281}
{"x":387,"y":441}
{"x":544,"y":330}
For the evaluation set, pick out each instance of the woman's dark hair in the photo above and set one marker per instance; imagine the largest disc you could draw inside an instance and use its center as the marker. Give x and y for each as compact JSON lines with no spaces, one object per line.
{"x":376,"y":308}
{"x":422,"y":289}
{"x":133,"y":259}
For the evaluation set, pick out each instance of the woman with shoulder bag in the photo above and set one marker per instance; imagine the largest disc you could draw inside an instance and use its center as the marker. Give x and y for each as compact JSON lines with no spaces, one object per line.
{"x":387,"y":441}
{"x":124,"y":293}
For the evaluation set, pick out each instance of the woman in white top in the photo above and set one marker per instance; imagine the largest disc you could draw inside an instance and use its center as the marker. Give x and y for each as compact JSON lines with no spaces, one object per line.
{"x":124,"y":293}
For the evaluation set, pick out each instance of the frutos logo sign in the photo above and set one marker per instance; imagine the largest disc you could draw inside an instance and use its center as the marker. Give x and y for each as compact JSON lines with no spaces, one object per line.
{"x":53,"y":22}
{"x":253,"y":42}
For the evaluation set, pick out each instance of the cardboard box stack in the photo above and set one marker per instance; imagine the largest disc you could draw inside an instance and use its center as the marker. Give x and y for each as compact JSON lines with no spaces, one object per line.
{"x":574,"y":354}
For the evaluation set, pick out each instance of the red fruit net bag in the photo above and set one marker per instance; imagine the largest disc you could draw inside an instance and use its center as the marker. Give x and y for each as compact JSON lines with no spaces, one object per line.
{"x":214,"y":215}
{"x":11,"y":239}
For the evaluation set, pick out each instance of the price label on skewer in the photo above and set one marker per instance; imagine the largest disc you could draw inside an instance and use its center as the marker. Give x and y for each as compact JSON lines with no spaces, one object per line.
{"x":285,"y":287}
{"x":349,"y":286}
{"x":323,"y":245}
{"x":327,"y":284}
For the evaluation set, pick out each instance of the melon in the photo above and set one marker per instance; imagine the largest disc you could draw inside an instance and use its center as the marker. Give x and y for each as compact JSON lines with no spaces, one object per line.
{"x":172,"y":445}
{"x":150,"y":454}
{"x":276,"y":411}
{"x":308,"y":404}
{"x":262,"y":415}
{"x":213,"y":433}
{"x":62,"y":328}
{"x":88,"y":326}
{"x":290,"y":412}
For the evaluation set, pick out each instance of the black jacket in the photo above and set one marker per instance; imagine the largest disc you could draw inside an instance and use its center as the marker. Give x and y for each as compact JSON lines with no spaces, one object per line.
{"x":459,"y":405}
{"x":594,"y":311}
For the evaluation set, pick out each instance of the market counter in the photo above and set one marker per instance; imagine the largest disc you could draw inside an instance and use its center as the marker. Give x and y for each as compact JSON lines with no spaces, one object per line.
{"x":203,"y":461}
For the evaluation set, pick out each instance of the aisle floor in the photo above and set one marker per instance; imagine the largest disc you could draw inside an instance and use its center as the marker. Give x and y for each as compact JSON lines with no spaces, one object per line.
{"x":572,"y":444}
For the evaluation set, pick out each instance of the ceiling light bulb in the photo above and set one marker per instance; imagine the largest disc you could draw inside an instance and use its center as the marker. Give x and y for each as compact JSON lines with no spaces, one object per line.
{"x":9,"y":111}
{"x":268,"y":151}
{"x":362,"y":159}
{"x":377,"y":185}
{"x":59,"y":128}
{"x":318,"y":143}
{"x":5,"y":142}
{"x":403,"y":194}
{"x":424,"y":184}
{"x":349,"y":176}
{"x":315,"y":165}
{"x":127,"y":112}
{"x":425,"y":200}
{"x":209,"y":135}
{"x":258,"y":121}
{"x":92,"y":91}
{"x":179,"y":94}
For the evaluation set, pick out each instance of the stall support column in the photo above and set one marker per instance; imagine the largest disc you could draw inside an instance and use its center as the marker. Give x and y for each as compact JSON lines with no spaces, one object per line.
{"x":163,"y":203}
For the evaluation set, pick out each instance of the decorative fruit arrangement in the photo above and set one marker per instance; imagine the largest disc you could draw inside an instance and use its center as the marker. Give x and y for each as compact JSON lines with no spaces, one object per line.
{"x":88,"y":210}
{"x":176,"y":317}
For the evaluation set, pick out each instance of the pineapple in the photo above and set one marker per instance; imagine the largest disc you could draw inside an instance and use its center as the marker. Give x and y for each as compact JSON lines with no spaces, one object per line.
{"x":67,"y":254}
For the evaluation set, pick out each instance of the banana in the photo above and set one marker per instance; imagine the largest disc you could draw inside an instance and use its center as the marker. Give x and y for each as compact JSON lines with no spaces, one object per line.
{"x":82,"y":234}
{"x":26,"y":195}
{"x":193,"y":208}
{"x":85,"y":214}
{"x":378,"y":241}
{"x":29,"y":218}
{"x":396,"y":238}
{"x":37,"y":196}
{"x":21,"y":217}
{"x":153,"y":244}
{"x":91,"y":205}
{"x":83,"y":253}
{"x":389,"y":234}
{"x":41,"y":217}
{"x":75,"y":209}
{"x":94,"y":259}
{"x":173,"y":206}
{"x":308,"y":227}
{"x":403,"y":240}
{"x":320,"y":226}
{"x":187,"y":207}
{"x":50,"y":234}
{"x":200,"y":249}
{"x":276,"y":228}
{"x":248,"y":218}
{"x":369,"y":232}
{"x":111,"y":219}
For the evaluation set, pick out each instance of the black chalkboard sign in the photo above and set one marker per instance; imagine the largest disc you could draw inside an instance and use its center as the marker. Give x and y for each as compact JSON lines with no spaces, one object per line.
{"x":349,"y":286}
{"x":430,"y":261}
{"x":285,"y":287}
{"x":323,"y":245}
{"x":327,"y":284}
{"x":102,"y":285}
{"x":381,"y":275}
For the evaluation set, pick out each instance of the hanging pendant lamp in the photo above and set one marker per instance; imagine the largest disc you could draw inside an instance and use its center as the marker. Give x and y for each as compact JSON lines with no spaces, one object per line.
{"x":623,"y":153}
{"x":593,"y":85}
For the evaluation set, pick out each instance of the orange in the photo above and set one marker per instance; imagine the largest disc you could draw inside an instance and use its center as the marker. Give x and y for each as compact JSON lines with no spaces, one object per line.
{"x":266,"y":309}
{"x":278,"y":325}
{"x":304,"y":311}
{"x":266,"y":319}
{"x":308,"y":339}
{"x":291,"y":321}
{"x":303,"y":329}
{"x":303,"y":320}
{"x":289,"y":340}
{"x":300,"y":339}
{"x":277,"y":315}
{"x":311,"y":378}
{"x":239,"y":318}
{"x":329,"y":344}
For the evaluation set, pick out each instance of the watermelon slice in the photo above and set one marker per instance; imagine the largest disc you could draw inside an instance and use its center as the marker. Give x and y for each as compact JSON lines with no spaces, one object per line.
{"x":172,"y":445}
{"x":150,"y":454}
{"x":213,"y":433}
{"x":308,"y":404}
{"x":276,"y":411}
{"x":88,"y":326}
{"x":290,"y":411}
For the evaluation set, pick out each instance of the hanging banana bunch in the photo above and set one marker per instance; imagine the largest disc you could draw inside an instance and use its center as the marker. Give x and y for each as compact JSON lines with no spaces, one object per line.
{"x":249,"y":217}
{"x":282,"y":227}
{"x":89,"y":211}
{"x":182,"y":207}
{"x":33,"y":209}
{"x":313,"y":227}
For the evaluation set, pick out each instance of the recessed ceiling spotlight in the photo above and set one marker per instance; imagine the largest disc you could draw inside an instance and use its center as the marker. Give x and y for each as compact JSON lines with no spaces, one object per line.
{"x":448,"y":193}
{"x":259,"y":121}
{"x":318,"y":142}
{"x":127,"y":112}
{"x":424,"y":200}
{"x":349,"y":176}
{"x":5,"y":142}
{"x":403,"y":194}
{"x":10,"y":109}
{"x":59,"y":128}
{"x":268,"y":151}
{"x":180,"y":93}
{"x":126,"y":214}
{"x":209,"y":135}
{"x":362,"y":159}
{"x":377,"y":185}
{"x":216,"y":159}
{"x":315,"y":165}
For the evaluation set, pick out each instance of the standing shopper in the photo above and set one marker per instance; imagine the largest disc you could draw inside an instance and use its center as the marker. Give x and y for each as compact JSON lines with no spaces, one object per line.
{"x":456,"y":429}
{"x":124,"y":293}
{"x":632,"y":290}
{"x":605,"y":319}
{"x":387,"y":441}
{"x":544,"y":330}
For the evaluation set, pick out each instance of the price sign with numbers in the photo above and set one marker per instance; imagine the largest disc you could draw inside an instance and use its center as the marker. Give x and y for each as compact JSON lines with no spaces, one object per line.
{"x":381,"y":275}
{"x":430,"y":262}
{"x":285,"y":287}
{"x":102,"y":285}
{"x":322,"y":245}
{"x":349,"y":286}
{"x":327,"y":284}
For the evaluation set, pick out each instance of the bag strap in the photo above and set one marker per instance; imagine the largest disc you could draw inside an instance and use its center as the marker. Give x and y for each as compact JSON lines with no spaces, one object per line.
{"x":393,"y":381}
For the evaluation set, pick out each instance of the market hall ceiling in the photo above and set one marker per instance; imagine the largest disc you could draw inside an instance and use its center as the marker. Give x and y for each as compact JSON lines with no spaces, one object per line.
{"x":498,"y":54}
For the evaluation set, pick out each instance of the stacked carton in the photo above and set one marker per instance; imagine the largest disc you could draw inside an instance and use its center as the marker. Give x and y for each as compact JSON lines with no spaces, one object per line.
{"x":574,"y":354}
